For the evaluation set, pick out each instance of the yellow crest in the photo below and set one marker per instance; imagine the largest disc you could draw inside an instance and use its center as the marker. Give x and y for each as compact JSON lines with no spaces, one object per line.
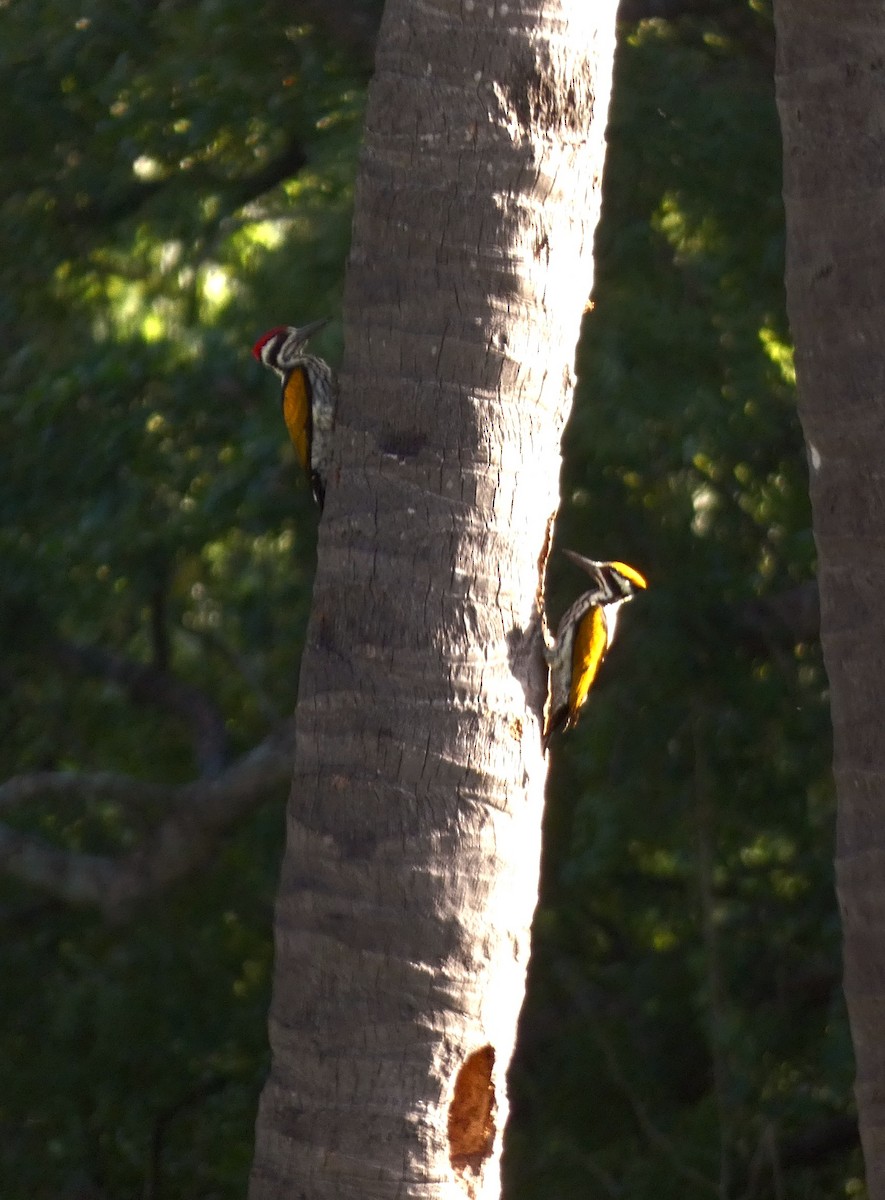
{"x":629,"y":573}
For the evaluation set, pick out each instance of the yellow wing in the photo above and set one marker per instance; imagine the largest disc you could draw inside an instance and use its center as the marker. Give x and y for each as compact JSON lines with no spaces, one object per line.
{"x":296,"y":413}
{"x":591,"y":642}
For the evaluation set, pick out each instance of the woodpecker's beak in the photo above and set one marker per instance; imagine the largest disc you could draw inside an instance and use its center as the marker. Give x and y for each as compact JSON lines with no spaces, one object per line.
{"x":586,"y":564}
{"x":307,"y":331}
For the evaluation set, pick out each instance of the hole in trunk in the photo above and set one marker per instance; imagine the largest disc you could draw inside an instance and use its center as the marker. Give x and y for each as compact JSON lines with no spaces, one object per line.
{"x":471,"y":1124}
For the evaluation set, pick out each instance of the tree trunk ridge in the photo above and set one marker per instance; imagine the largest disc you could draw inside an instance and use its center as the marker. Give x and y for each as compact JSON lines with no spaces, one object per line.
{"x":830,"y":69}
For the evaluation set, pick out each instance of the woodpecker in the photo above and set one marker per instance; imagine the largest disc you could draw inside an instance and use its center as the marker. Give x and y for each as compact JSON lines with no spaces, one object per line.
{"x":309,"y":394}
{"x":584,"y":635}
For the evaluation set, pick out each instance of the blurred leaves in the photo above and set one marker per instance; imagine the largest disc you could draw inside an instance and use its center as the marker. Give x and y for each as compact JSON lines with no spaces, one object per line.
{"x":177,"y":178}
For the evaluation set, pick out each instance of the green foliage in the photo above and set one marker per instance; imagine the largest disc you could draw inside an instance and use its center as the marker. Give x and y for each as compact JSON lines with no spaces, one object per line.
{"x":148,"y":466}
{"x":176,"y":178}
{"x":138,"y":1053}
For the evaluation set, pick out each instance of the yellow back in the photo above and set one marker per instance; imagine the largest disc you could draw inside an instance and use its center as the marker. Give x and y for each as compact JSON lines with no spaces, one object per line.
{"x":591,"y":642}
{"x":296,"y":413}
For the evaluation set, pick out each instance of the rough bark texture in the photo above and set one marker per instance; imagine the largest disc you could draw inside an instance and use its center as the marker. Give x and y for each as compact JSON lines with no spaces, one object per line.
{"x":831,"y":97}
{"x":410,"y":876}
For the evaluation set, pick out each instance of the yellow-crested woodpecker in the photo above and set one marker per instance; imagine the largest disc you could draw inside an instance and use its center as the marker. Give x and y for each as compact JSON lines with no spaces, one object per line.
{"x":309,"y":394}
{"x":584,"y":635}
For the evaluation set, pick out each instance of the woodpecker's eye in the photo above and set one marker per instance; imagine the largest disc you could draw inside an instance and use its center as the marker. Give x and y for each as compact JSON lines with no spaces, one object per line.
{"x":629,"y":575}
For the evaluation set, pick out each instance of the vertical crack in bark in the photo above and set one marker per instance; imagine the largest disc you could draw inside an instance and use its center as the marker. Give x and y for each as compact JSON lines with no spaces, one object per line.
{"x":543,"y":559}
{"x":541,"y":593}
{"x":471,"y":1124}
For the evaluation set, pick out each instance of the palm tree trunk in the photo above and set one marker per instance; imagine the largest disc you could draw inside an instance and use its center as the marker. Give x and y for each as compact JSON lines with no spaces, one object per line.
{"x":831,"y":65}
{"x":410,"y":876}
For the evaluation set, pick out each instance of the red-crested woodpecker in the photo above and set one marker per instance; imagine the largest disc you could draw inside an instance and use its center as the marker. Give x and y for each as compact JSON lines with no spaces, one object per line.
{"x":309,"y":393}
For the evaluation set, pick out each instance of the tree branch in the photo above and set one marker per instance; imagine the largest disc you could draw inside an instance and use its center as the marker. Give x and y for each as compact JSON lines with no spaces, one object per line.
{"x":241,"y":664}
{"x":717,"y":999}
{"x":826,"y":1139}
{"x":832,"y":1136}
{"x":160,"y":625}
{"x":194,"y":1096}
{"x":151,"y":685}
{"x":353,"y":26}
{"x":657,"y":1140}
{"x":180,"y":845}
{"x":793,"y":614}
{"x":288,"y":163}
{"x":77,"y":786}
{"x":235,"y":192}
{"x":666,"y":10}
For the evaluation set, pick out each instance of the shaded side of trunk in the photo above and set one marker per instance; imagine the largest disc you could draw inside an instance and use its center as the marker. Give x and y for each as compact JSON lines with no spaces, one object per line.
{"x":410,"y":876}
{"x":831,"y":98}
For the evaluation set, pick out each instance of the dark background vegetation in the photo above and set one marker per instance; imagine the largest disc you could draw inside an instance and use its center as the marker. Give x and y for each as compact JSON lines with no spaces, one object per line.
{"x":177,"y":177}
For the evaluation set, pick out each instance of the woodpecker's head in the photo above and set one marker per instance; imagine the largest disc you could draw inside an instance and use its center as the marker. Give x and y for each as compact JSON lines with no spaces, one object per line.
{"x":617,"y":582}
{"x":281,"y":347}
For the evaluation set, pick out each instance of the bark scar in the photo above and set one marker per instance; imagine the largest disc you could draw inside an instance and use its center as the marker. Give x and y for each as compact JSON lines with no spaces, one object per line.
{"x":541,"y":594}
{"x":471,"y":1123}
